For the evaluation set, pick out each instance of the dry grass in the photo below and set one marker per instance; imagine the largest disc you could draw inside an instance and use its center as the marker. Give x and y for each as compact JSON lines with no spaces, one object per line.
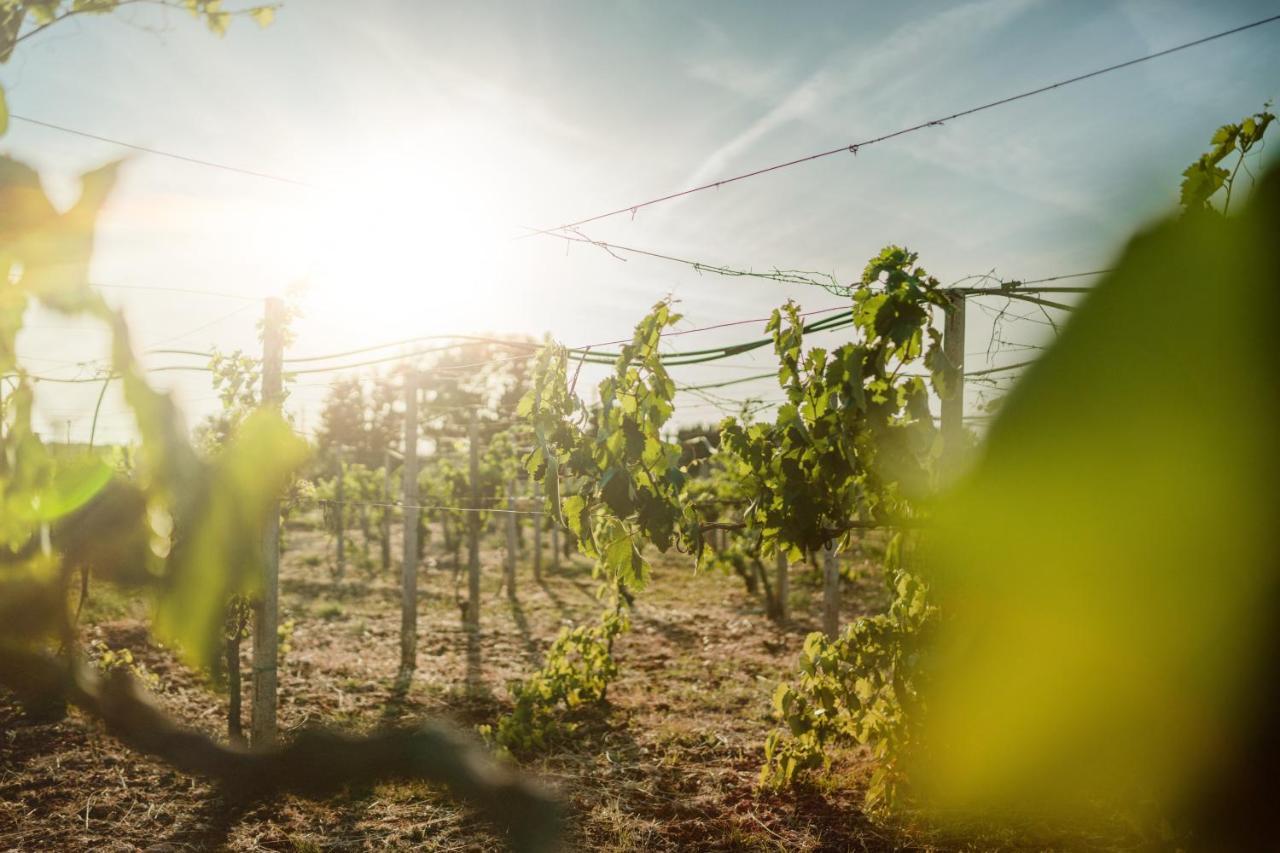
{"x":668,"y":764}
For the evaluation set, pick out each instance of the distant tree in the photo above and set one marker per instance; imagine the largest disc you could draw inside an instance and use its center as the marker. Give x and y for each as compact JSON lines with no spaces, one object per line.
{"x":362,"y":418}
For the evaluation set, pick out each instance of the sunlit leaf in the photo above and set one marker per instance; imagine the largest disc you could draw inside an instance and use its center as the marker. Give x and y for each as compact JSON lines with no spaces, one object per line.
{"x":219,"y":548}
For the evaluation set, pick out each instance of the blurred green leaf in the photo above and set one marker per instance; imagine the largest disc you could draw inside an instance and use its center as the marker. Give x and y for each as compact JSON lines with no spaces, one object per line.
{"x":219,"y":547}
{"x":74,"y":483}
{"x":11,"y":17}
{"x":218,"y":22}
{"x":1106,"y":569}
{"x":263,"y":16}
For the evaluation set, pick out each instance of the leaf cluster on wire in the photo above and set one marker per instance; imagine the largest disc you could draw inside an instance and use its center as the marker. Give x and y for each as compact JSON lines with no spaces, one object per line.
{"x":854,"y":439}
{"x":853,"y":443}
{"x":1204,"y":178}
{"x":617,"y":484}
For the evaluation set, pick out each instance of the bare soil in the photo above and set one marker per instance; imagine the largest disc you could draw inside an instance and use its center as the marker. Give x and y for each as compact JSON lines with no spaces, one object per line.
{"x":669,"y":763}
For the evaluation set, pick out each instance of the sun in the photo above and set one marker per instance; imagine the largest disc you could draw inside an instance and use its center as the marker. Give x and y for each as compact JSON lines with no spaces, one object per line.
{"x":407,"y":243}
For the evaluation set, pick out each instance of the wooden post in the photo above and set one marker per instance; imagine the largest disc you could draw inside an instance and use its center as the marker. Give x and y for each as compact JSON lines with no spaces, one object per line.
{"x":782,"y":588}
{"x":830,"y":591}
{"x":473,"y":527}
{"x":409,"y":567}
{"x":511,"y":538}
{"x":953,"y":404}
{"x":340,"y":499}
{"x":386,"y":511}
{"x":266,"y":609}
{"x":555,"y":544}
{"x":537,"y":533}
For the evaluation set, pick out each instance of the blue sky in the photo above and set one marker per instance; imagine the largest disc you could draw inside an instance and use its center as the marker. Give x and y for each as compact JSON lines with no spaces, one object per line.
{"x":429,"y":133}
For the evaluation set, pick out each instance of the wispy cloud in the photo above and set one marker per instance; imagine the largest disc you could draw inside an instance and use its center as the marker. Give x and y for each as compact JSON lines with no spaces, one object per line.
{"x":906,"y":51}
{"x":742,"y":76}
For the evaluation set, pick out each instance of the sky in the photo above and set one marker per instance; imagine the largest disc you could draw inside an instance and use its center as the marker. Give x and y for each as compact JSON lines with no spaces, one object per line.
{"x":418,"y":139}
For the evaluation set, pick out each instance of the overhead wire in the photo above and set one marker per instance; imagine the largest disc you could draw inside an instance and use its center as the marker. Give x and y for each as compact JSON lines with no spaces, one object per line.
{"x":855,"y":147}
{"x":779,"y":275}
{"x":590,"y":351}
{"x":159,"y":152}
{"x":559,"y":230}
{"x":395,"y":505}
{"x":200,"y":328}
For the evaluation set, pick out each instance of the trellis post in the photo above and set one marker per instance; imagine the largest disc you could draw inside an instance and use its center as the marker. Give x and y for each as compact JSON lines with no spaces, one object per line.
{"x":473,"y":526}
{"x":782,"y":587}
{"x":511,"y":538}
{"x":266,"y":608}
{"x":537,"y":533}
{"x":409,"y":566}
{"x":341,"y":516}
{"x":385,"y":527}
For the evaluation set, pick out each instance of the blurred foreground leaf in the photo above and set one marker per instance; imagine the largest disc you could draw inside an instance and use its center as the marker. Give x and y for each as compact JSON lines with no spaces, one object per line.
{"x":1108,"y":569}
{"x":219,"y":553}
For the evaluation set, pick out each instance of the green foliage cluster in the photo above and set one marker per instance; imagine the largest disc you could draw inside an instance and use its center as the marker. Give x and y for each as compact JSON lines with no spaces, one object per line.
{"x":863,"y":686}
{"x":854,"y":442}
{"x":617,"y":485}
{"x":444,"y":482}
{"x":107,"y":660}
{"x":1202,"y":180}
{"x":236,"y":377}
{"x":607,"y":471}
{"x":365,"y":506}
{"x":579,"y":667}
{"x":855,"y":439}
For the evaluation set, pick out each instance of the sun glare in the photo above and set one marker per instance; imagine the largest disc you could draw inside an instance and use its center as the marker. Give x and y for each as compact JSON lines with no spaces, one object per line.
{"x":420,"y":235}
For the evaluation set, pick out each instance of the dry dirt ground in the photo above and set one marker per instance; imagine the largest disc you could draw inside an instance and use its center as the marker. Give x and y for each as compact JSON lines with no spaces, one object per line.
{"x":669,"y":763}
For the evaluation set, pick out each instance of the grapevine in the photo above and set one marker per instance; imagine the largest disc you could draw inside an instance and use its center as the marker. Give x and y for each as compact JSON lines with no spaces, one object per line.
{"x":616,"y":484}
{"x":854,"y":445}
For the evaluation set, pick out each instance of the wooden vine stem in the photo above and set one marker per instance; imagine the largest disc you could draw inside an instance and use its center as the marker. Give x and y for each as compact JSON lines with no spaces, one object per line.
{"x":409,"y":567}
{"x":266,"y":614}
{"x":782,"y":589}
